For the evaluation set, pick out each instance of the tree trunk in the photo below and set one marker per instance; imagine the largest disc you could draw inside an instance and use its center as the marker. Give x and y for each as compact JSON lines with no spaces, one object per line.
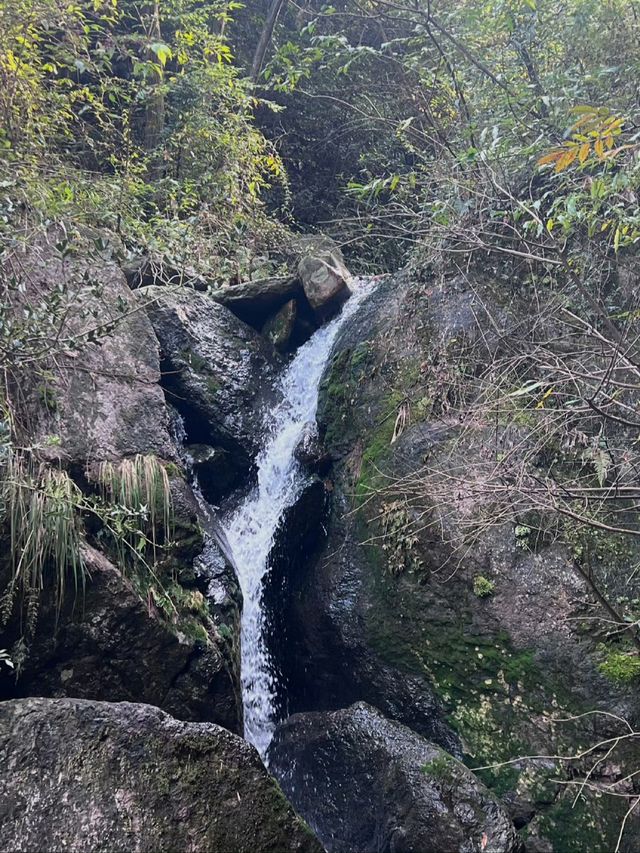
{"x":154,"y":108}
{"x":265,"y":38}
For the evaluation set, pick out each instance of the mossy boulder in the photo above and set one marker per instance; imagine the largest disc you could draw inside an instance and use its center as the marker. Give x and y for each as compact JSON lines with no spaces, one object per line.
{"x":95,"y":776}
{"x":279,"y":328}
{"x":391,"y":607}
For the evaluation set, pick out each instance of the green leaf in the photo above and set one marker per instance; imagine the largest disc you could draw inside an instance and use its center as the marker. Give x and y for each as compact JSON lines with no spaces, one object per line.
{"x":162,"y":51}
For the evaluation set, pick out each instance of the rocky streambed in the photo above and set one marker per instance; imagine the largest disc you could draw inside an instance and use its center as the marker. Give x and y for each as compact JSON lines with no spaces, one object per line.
{"x":366,"y":667}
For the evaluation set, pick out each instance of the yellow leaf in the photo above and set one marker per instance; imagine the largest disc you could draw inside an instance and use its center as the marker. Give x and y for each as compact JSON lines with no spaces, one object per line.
{"x":599,"y":148}
{"x":550,"y":158}
{"x":545,"y":396}
{"x":609,"y":141}
{"x":584,"y":152}
{"x":566,"y":160}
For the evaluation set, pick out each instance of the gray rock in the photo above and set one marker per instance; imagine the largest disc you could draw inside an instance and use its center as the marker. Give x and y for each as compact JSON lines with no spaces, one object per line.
{"x":365,"y":783}
{"x":215,"y":470}
{"x":324,"y":279}
{"x":106,"y":401}
{"x":216,"y":370}
{"x":92,"y":776}
{"x":254,"y":301}
{"x":311,"y":453}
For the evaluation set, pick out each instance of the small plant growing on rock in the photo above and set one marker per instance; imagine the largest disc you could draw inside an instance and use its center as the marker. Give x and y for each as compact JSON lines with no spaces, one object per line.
{"x":140,"y":484}
{"x":621,"y":667}
{"x":483,"y":587}
{"x":400,"y":538}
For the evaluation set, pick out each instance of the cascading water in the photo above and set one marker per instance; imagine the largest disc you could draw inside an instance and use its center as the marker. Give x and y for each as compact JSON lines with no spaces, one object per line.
{"x":250,"y":530}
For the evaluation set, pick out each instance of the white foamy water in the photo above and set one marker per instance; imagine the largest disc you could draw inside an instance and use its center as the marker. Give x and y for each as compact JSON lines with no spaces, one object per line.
{"x":250,"y":530}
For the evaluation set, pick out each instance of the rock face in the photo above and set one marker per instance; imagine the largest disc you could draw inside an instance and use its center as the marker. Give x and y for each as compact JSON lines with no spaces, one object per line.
{"x":216,"y":370}
{"x":130,"y":634}
{"x":255,"y":301}
{"x":368,"y":784}
{"x":107,"y":402}
{"x":279,"y":328}
{"x":92,"y":776}
{"x":389,"y":613}
{"x":215,"y":470}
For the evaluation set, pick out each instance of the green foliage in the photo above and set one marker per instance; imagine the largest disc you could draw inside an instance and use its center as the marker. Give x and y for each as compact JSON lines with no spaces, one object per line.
{"x":138,"y":121}
{"x":140,"y":486}
{"x":439,"y":767}
{"x":621,"y":667}
{"x":483,"y":587}
{"x":399,"y":538}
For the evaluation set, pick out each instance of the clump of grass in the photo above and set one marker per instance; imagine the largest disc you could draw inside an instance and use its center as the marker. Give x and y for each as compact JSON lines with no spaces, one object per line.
{"x":38,"y":505}
{"x":140,"y":484}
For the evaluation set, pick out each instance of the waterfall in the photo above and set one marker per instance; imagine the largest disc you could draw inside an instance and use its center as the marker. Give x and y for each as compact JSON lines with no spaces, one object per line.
{"x":250,"y":530}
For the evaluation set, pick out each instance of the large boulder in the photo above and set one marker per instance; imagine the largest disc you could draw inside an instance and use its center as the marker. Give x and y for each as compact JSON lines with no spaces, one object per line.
{"x":216,"y":370}
{"x":135,"y":629}
{"x":110,"y":643}
{"x":102,"y":399}
{"x":365,"y":783}
{"x":93,"y":776}
{"x":254,"y":301}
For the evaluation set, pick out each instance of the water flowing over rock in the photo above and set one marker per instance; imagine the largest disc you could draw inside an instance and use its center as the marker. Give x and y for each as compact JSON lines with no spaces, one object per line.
{"x":365,"y":783}
{"x":93,"y":776}
{"x":250,"y":531}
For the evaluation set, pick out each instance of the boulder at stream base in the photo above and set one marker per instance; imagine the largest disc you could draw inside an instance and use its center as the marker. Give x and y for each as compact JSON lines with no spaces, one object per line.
{"x":366,"y":783}
{"x":111,"y":645}
{"x":95,"y":776}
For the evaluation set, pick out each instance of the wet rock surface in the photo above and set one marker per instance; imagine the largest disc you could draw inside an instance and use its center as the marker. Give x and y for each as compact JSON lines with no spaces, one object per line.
{"x":368,"y":784}
{"x":396,"y":620}
{"x":92,"y":776}
{"x":217,"y":371}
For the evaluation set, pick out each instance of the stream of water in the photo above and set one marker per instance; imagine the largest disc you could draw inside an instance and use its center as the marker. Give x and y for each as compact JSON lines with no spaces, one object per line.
{"x":250,"y":530}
